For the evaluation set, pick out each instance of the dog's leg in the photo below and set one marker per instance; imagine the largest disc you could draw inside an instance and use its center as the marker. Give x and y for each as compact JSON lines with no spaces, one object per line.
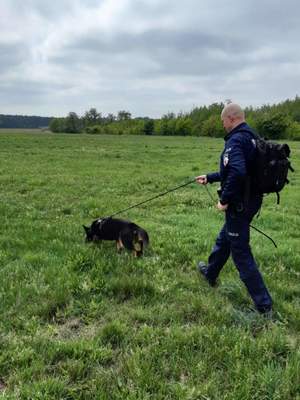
{"x":120,"y":245}
{"x":138,"y":248}
{"x":142,"y":248}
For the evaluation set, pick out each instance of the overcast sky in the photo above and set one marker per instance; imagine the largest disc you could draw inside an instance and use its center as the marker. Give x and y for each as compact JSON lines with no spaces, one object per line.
{"x":146,"y":56}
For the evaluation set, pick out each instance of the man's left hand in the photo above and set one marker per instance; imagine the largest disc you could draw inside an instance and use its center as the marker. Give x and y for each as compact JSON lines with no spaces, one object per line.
{"x":222,"y":207}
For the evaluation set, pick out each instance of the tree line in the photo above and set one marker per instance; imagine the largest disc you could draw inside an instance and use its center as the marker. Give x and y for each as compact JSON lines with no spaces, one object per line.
{"x":275,"y":121}
{"x":272,"y":121}
{"x":23,"y":121}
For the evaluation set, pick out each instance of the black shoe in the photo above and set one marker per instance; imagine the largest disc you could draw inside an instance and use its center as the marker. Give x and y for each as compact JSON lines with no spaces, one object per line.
{"x":202,"y":268}
{"x":267,"y":312}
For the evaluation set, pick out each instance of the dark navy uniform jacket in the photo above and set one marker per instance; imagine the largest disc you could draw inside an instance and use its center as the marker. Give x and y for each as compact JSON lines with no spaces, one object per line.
{"x":236,"y":164}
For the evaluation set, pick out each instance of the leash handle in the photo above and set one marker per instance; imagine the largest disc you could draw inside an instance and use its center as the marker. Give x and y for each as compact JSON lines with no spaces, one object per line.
{"x":152,"y":198}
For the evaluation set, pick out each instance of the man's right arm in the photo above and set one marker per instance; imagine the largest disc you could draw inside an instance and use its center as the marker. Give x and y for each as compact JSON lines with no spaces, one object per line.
{"x":213,"y":177}
{"x":209,"y":178}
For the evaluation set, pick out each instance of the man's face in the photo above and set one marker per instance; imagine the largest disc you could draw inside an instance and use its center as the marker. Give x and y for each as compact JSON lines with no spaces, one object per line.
{"x":227,"y":123}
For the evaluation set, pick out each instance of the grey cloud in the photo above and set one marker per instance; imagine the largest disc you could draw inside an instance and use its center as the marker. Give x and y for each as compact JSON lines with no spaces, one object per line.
{"x":180,"y":41}
{"x":11,"y":55}
{"x":168,"y":52}
{"x":23,"y":89}
{"x":157,"y":56}
{"x":50,"y":9}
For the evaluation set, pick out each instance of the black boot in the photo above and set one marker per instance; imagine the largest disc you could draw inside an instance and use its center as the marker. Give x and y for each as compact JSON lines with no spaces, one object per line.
{"x":202,"y":268}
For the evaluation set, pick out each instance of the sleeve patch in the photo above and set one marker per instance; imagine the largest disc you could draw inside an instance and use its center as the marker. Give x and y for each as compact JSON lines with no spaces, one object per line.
{"x":225,"y":159}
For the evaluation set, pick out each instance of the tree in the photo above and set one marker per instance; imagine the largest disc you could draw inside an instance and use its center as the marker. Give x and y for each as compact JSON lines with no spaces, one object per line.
{"x":124,"y":116}
{"x":58,"y":125}
{"x":92,"y":117}
{"x":183,"y":126}
{"x":73,"y":123}
{"x":148,"y":128}
{"x":167,"y":125}
{"x":168,"y":116}
{"x":110,"y":118}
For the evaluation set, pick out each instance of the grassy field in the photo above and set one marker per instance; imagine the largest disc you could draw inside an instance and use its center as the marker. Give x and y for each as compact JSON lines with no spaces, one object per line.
{"x":80,"y":321}
{"x":19,"y":130}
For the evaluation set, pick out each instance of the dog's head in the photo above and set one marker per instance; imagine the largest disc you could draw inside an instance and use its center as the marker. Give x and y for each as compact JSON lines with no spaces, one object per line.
{"x":88,"y":232}
{"x":94,"y":232}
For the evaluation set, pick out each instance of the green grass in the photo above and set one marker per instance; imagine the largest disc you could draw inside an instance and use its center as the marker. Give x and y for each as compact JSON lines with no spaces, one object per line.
{"x":80,"y":321}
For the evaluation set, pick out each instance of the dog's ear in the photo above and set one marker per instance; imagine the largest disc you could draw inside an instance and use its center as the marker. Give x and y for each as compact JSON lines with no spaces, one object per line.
{"x":86,"y":228}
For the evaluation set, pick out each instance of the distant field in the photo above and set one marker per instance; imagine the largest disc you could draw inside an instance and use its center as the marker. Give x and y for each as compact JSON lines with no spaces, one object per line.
{"x":82,"y":322}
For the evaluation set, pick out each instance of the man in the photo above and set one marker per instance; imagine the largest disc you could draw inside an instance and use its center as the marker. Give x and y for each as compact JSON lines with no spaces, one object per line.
{"x":240,"y":202}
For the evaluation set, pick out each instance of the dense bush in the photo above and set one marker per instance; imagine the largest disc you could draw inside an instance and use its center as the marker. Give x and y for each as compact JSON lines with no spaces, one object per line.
{"x":273,"y":125}
{"x":124,"y":127}
{"x":293,"y":131}
{"x":213,"y":127}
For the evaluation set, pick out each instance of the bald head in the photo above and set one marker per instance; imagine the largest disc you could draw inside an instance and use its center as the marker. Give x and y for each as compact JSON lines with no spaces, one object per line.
{"x":232,"y":115}
{"x":233,"y":110}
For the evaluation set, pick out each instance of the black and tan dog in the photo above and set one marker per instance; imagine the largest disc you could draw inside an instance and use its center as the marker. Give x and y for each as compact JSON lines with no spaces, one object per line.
{"x":126,"y":234}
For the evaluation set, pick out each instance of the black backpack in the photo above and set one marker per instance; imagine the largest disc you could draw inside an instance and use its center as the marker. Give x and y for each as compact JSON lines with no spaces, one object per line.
{"x":271,"y":166}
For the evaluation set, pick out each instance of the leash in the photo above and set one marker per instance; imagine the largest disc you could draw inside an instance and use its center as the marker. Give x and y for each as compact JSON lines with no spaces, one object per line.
{"x":251,"y":226}
{"x":153,"y":198}
{"x":258,"y":230}
{"x":179,"y":187}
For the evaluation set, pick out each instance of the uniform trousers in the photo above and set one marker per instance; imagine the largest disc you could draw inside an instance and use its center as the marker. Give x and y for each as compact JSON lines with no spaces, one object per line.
{"x":233,"y":240}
